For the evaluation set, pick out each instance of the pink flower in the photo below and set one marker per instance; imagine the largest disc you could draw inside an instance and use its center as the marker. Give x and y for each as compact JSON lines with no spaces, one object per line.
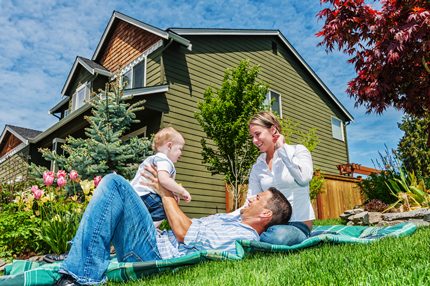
{"x":61,"y":181}
{"x":73,"y":175}
{"x":37,"y":193}
{"x":48,"y":178}
{"x":97,"y":180}
{"x":61,"y":173}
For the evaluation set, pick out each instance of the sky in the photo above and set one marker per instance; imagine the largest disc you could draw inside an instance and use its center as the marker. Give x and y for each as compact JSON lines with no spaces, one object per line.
{"x":39,"y":40}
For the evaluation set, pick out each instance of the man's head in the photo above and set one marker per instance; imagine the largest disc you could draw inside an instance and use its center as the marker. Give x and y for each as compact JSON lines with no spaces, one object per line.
{"x":266,"y":209}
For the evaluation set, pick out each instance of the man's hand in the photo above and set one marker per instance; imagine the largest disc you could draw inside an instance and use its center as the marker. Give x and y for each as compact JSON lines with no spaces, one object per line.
{"x":153,"y":182}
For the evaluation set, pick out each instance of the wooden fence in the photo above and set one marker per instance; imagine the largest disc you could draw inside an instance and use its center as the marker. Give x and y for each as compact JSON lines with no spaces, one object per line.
{"x":339,"y":193}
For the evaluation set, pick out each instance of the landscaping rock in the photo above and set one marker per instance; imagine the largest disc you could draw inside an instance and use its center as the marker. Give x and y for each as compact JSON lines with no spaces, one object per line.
{"x":405,"y":215}
{"x":419,"y":222}
{"x":389,"y":223}
{"x":357,"y":216}
{"x":375,"y":218}
{"x":360,"y":218}
{"x":345,"y":216}
{"x":357,"y":211}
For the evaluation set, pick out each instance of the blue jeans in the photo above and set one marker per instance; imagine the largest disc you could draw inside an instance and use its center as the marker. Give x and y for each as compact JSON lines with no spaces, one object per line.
{"x":154,"y":205}
{"x":116,"y":215}
{"x":288,"y":234}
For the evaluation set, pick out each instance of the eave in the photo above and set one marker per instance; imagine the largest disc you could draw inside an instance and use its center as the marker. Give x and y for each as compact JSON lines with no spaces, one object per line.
{"x":93,"y":71}
{"x":167,"y":35}
{"x":128,"y":94}
{"x":59,"y":105}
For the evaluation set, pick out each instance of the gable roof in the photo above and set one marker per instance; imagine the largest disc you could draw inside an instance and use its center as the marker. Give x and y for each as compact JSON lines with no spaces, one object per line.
{"x":23,"y":134}
{"x":263,"y":32}
{"x":91,"y":66}
{"x":167,"y":35}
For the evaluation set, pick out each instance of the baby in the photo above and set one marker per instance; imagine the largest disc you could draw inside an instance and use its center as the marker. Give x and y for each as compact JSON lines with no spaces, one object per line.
{"x":168,"y":143}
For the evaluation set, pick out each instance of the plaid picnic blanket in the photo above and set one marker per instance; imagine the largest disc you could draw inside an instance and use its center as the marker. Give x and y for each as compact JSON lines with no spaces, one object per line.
{"x":22,"y":272}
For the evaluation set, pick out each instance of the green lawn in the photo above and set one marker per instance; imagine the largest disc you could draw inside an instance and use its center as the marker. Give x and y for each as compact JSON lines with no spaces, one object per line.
{"x":404,"y":261}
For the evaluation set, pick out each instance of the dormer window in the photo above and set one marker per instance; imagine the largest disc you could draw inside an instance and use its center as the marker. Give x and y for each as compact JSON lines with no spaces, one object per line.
{"x":134,"y":75}
{"x":82,"y":93}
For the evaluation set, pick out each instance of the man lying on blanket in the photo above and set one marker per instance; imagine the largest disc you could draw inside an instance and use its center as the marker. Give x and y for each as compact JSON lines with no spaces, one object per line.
{"x":117,"y":215}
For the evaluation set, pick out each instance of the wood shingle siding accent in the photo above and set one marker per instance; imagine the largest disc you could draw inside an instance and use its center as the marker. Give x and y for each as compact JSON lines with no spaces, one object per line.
{"x":15,"y":168}
{"x":11,"y":142}
{"x":126,"y":43}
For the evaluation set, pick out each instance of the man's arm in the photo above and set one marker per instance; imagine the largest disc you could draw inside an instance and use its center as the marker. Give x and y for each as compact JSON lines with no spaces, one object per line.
{"x":178,"y":221}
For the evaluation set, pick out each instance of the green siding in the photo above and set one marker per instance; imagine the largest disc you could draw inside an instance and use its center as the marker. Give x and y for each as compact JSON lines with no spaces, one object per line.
{"x":153,"y":69}
{"x":190,"y":73}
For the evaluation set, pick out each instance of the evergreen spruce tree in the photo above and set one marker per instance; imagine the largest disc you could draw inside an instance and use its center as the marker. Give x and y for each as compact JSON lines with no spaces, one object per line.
{"x":104,"y":150}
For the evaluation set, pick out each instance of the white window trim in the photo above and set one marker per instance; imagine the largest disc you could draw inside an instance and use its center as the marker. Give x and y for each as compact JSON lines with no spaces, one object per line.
{"x":143,"y":56}
{"x":280,"y":101}
{"x":130,"y":67}
{"x":341,"y":128}
{"x":86,"y":86}
{"x":55,"y":143}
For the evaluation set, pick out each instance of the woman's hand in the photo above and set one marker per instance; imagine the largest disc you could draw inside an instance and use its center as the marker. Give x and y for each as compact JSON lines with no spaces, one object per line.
{"x":280,"y":140}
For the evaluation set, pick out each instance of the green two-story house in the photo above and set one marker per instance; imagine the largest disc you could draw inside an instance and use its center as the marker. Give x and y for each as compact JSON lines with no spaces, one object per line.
{"x":172,"y":68}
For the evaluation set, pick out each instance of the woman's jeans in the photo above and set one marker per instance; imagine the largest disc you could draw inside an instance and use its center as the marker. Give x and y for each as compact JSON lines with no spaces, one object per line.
{"x":116,"y":215}
{"x":289,"y":234}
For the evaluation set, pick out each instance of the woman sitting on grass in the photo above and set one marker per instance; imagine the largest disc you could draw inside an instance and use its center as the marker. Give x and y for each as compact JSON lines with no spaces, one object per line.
{"x":287,"y":168}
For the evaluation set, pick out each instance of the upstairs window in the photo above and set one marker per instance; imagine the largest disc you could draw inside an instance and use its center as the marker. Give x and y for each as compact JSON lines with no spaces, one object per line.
{"x":134,"y":77}
{"x":82,"y":93}
{"x":273,"y":101}
{"x":337,"y":128}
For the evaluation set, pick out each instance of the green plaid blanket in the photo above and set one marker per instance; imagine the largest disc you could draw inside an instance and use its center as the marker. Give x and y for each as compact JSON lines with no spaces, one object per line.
{"x":22,"y":272}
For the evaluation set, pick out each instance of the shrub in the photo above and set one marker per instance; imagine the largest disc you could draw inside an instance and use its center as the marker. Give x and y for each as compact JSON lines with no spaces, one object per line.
{"x":375,"y":205}
{"x":17,"y":232}
{"x":315,"y":185}
{"x":375,"y":187}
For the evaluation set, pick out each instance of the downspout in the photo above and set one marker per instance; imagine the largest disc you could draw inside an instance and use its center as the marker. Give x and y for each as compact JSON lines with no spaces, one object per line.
{"x":162,"y":72}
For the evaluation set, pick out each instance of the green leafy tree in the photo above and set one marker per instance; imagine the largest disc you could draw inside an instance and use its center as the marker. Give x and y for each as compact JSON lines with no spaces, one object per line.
{"x":224,"y":114}
{"x":104,"y":150}
{"x":412,"y":149}
{"x":293,"y":132}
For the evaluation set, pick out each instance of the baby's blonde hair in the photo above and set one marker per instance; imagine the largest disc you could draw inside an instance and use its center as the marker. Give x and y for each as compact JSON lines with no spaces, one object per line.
{"x":168,"y":134}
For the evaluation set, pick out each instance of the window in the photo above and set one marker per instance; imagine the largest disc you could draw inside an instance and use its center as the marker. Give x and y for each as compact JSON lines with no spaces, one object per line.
{"x":56,"y":147}
{"x":82,"y":93}
{"x":337,"y":128}
{"x":135,"y":76}
{"x":273,"y":100}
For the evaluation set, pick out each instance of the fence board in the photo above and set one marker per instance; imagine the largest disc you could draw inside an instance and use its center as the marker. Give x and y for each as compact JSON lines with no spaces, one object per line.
{"x":339,"y":193}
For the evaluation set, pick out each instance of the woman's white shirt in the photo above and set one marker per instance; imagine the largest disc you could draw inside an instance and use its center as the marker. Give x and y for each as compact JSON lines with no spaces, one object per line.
{"x":291,"y":173}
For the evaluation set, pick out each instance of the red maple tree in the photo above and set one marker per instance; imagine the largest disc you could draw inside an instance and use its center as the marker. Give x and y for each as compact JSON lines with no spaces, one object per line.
{"x":390,"y":48}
